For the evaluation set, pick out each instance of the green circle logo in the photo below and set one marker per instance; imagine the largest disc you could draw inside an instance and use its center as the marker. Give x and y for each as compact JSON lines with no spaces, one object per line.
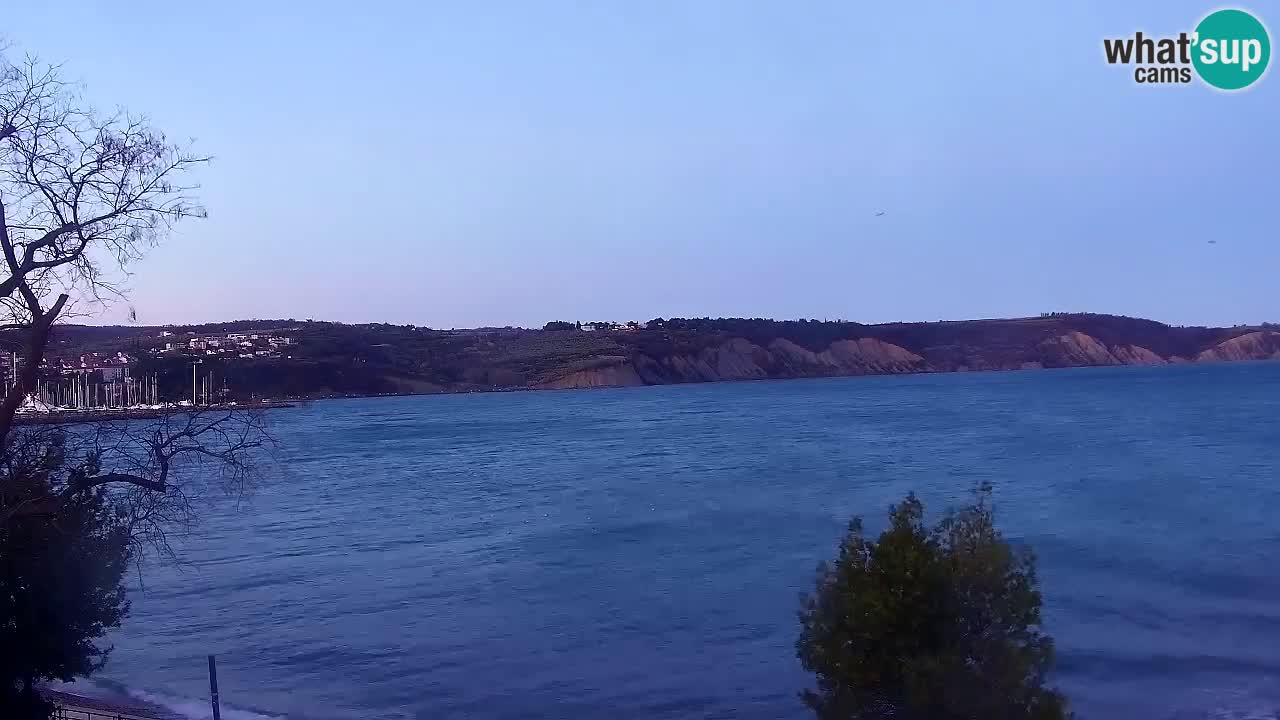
{"x":1232,"y":49}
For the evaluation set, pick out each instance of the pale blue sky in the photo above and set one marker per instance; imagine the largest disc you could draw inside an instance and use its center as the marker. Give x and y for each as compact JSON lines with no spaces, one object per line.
{"x":503,"y":163}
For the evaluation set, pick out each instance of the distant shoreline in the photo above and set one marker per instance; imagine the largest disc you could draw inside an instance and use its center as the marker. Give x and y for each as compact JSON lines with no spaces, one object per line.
{"x":325,"y":360}
{"x":727,"y":381}
{"x":77,"y":417}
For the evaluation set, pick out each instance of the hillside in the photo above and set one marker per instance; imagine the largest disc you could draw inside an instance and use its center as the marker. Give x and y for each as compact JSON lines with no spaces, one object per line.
{"x":319,"y":359}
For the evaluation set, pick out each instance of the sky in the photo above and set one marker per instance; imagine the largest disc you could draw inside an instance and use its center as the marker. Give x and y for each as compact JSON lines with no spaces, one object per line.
{"x":510,"y":163}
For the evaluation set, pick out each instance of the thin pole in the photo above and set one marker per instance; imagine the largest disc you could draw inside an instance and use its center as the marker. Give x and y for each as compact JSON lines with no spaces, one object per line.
{"x":213,"y":688}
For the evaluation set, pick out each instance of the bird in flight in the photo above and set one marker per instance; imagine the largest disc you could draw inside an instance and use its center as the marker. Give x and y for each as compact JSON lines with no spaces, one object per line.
{"x":1213,"y":242}
{"x":879,"y":213}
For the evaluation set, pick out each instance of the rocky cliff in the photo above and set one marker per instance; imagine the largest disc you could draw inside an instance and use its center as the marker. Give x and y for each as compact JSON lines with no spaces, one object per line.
{"x":328,"y":359}
{"x":1262,"y":345}
{"x":676,"y":356}
{"x":741,"y":359}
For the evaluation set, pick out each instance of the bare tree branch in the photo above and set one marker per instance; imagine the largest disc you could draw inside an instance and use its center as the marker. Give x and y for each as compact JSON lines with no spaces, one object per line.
{"x":83,"y":194}
{"x":159,"y":469}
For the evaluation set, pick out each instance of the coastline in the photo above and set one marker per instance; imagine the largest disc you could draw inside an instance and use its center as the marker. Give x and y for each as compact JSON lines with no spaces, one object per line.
{"x":928,"y":371}
{"x":74,"y":706}
{"x":75,"y":417}
{"x":84,"y":416}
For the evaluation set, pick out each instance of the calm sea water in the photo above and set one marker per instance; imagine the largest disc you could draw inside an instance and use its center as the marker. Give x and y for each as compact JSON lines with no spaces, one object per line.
{"x":638,"y":553}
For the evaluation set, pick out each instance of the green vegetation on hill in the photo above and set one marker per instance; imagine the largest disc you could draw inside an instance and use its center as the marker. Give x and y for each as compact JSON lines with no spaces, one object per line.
{"x":328,"y":359}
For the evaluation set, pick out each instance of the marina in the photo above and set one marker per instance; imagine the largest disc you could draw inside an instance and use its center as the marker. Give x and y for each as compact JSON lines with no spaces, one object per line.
{"x":68,"y":416}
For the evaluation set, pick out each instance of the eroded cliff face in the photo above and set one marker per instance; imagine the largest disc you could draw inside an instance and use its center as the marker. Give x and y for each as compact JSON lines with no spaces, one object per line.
{"x":1261,"y":345}
{"x":1076,"y":349}
{"x":1073,"y":349}
{"x":621,"y":375}
{"x":741,"y":359}
{"x":870,"y":356}
{"x":1136,"y":355}
{"x":736,"y":359}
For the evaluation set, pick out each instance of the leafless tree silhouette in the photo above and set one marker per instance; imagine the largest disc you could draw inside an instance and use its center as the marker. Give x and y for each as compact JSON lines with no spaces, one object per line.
{"x":83,"y":194}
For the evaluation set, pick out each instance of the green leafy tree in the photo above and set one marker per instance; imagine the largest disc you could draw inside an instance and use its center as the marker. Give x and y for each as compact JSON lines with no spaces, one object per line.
{"x":929,"y":624}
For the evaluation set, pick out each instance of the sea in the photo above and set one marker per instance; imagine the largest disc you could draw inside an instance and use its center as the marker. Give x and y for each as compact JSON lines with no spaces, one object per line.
{"x":641,"y":552}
